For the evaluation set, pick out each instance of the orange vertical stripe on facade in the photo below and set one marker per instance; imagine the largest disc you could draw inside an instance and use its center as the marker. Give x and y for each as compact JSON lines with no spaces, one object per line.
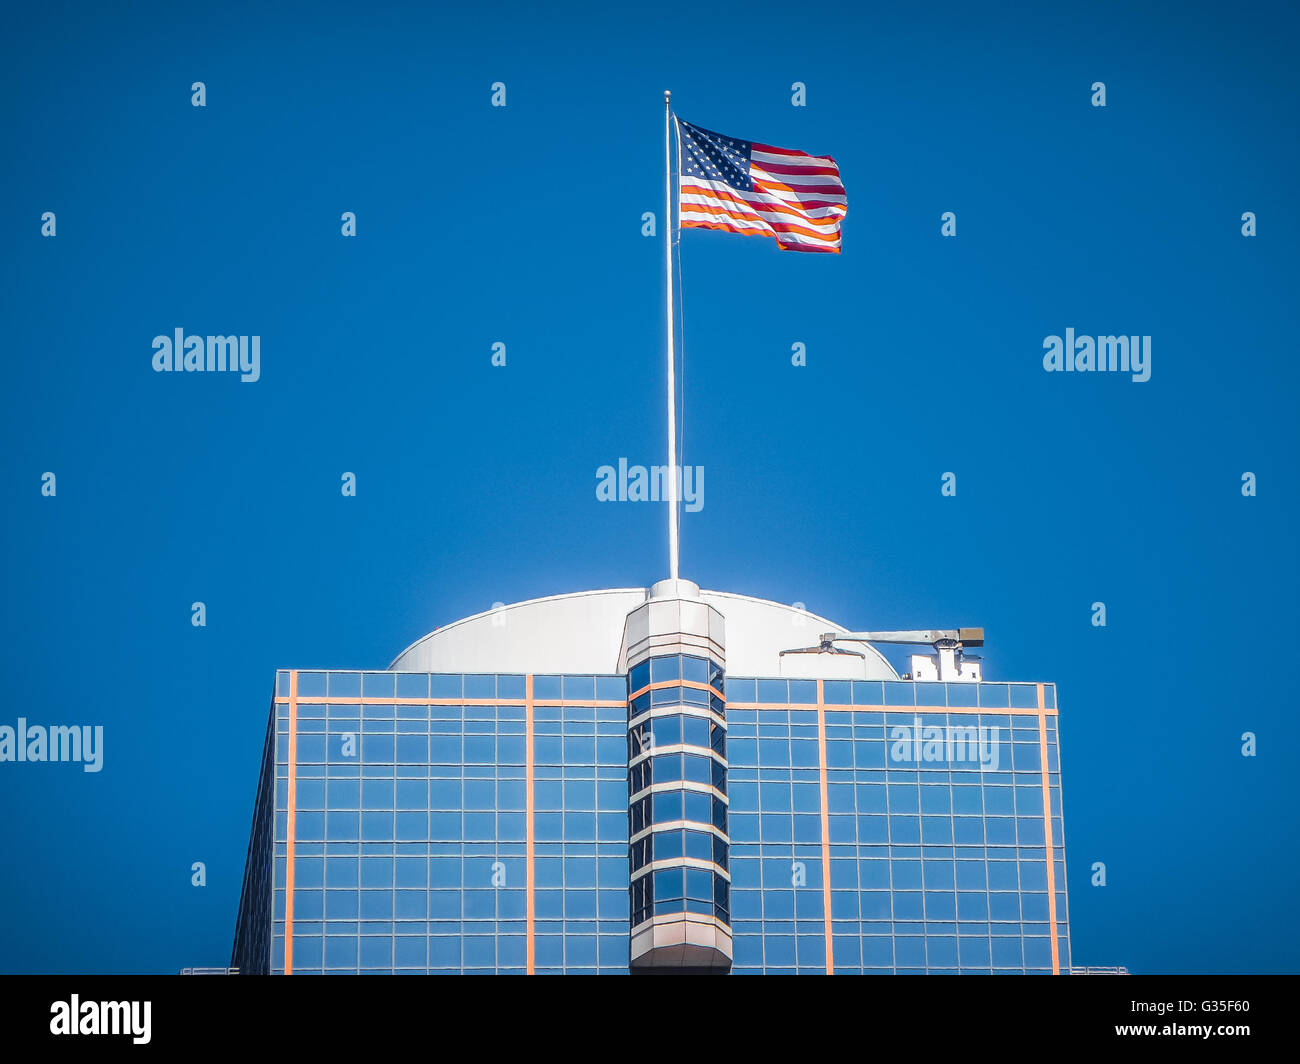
{"x":1047,"y":830}
{"x":528,"y":823}
{"x":290,"y":806}
{"x":826,"y":825}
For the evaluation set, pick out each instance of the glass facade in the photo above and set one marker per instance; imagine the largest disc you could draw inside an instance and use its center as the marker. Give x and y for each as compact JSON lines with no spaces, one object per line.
{"x":677,"y":788}
{"x":933,"y":857}
{"x":412,"y":822}
{"x":401,"y":835}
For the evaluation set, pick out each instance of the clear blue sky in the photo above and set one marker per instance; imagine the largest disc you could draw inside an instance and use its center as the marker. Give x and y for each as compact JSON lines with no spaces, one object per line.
{"x":477,"y":484}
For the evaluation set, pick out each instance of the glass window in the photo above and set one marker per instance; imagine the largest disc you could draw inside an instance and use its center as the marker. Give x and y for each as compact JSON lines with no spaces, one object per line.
{"x":480,"y":686}
{"x":610,"y":688}
{"x":547,"y":687}
{"x":669,"y":845}
{"x":717,"y":676}
{"x":638,"y":740}
{"x":311,"y":684}
{"x":699,"y":845}
{"x":579,"y":688}
{"x":695,"y":669}
{"x":699,"y":884}
{"x":697,"y":806}
{"x":743,"y":828}
{"x":668,"y":768}
{"x":743,"y":751}
{"x":377,"y":684}
{"x":698,"y":768}
{"x":667,"y":806}
{"x":638,"y":677}
{"x":719,"y":851}
{"x":695,"y":731}
{"x":444,"y":685}
{"x":642,"y":852}
{"x":667,"y":730}
{"x":515,"y":687}
{"x":665,"y":668}
{"x":668,"y":885}
{"x":345,"y":794}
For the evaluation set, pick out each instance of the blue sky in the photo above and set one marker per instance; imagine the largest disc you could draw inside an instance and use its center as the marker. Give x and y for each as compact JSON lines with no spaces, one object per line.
{"x":476,"y":484}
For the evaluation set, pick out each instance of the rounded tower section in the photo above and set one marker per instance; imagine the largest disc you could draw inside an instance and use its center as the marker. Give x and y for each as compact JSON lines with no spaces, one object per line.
{"x":674,"y":654}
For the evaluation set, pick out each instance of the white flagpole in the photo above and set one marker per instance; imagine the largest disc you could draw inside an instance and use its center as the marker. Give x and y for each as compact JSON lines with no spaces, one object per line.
{"x":672,"y":348}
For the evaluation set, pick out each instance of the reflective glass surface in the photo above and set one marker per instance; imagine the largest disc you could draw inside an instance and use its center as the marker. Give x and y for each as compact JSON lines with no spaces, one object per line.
{"x":410,"y":832}
{"x":677,"y":783}
{"x":409,"y":826}
{"x":937,"y":850}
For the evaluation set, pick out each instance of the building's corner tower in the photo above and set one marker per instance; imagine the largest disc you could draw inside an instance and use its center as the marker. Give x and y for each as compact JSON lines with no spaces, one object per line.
{"x":674,"y":655}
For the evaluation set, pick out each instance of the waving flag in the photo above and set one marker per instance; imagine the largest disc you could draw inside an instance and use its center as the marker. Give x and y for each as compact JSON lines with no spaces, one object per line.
{"x":742,"y":187}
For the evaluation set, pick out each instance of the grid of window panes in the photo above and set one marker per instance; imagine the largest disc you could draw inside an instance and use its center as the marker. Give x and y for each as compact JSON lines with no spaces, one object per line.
{"x":410,"y":833}
{"x":677,"y":775}
{"x":938,"y":863}
{"x":580,"y":826}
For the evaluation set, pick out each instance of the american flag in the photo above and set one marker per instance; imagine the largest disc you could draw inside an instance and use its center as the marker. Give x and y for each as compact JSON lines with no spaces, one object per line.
{"x":756,"y":189}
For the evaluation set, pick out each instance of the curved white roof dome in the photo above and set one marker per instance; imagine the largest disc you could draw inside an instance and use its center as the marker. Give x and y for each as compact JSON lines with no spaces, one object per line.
{"x":582,"y":633}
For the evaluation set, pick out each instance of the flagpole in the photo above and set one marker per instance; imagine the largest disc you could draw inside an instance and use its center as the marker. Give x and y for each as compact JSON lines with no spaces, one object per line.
{"x":672,"y":380}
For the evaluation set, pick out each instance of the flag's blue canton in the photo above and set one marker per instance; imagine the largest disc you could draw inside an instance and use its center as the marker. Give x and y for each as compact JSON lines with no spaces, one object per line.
{"x":713,"y":157}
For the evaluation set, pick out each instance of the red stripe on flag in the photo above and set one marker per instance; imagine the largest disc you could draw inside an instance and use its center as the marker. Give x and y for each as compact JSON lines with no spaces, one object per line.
{"x":784,"y":245}
{"x":779,"y":206}
{"x":689,"y":210}
{"x":772,"y":150}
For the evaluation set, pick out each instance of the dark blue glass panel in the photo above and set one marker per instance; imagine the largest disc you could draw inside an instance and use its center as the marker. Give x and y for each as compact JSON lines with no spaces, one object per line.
{"x":638,"y":677}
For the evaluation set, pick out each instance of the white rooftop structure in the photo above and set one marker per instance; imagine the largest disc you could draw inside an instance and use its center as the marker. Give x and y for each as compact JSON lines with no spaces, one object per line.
{"x":584,"y":632}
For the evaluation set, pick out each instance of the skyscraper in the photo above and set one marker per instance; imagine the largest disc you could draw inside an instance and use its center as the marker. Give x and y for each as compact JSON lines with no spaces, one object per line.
{"x":657,"y":780}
